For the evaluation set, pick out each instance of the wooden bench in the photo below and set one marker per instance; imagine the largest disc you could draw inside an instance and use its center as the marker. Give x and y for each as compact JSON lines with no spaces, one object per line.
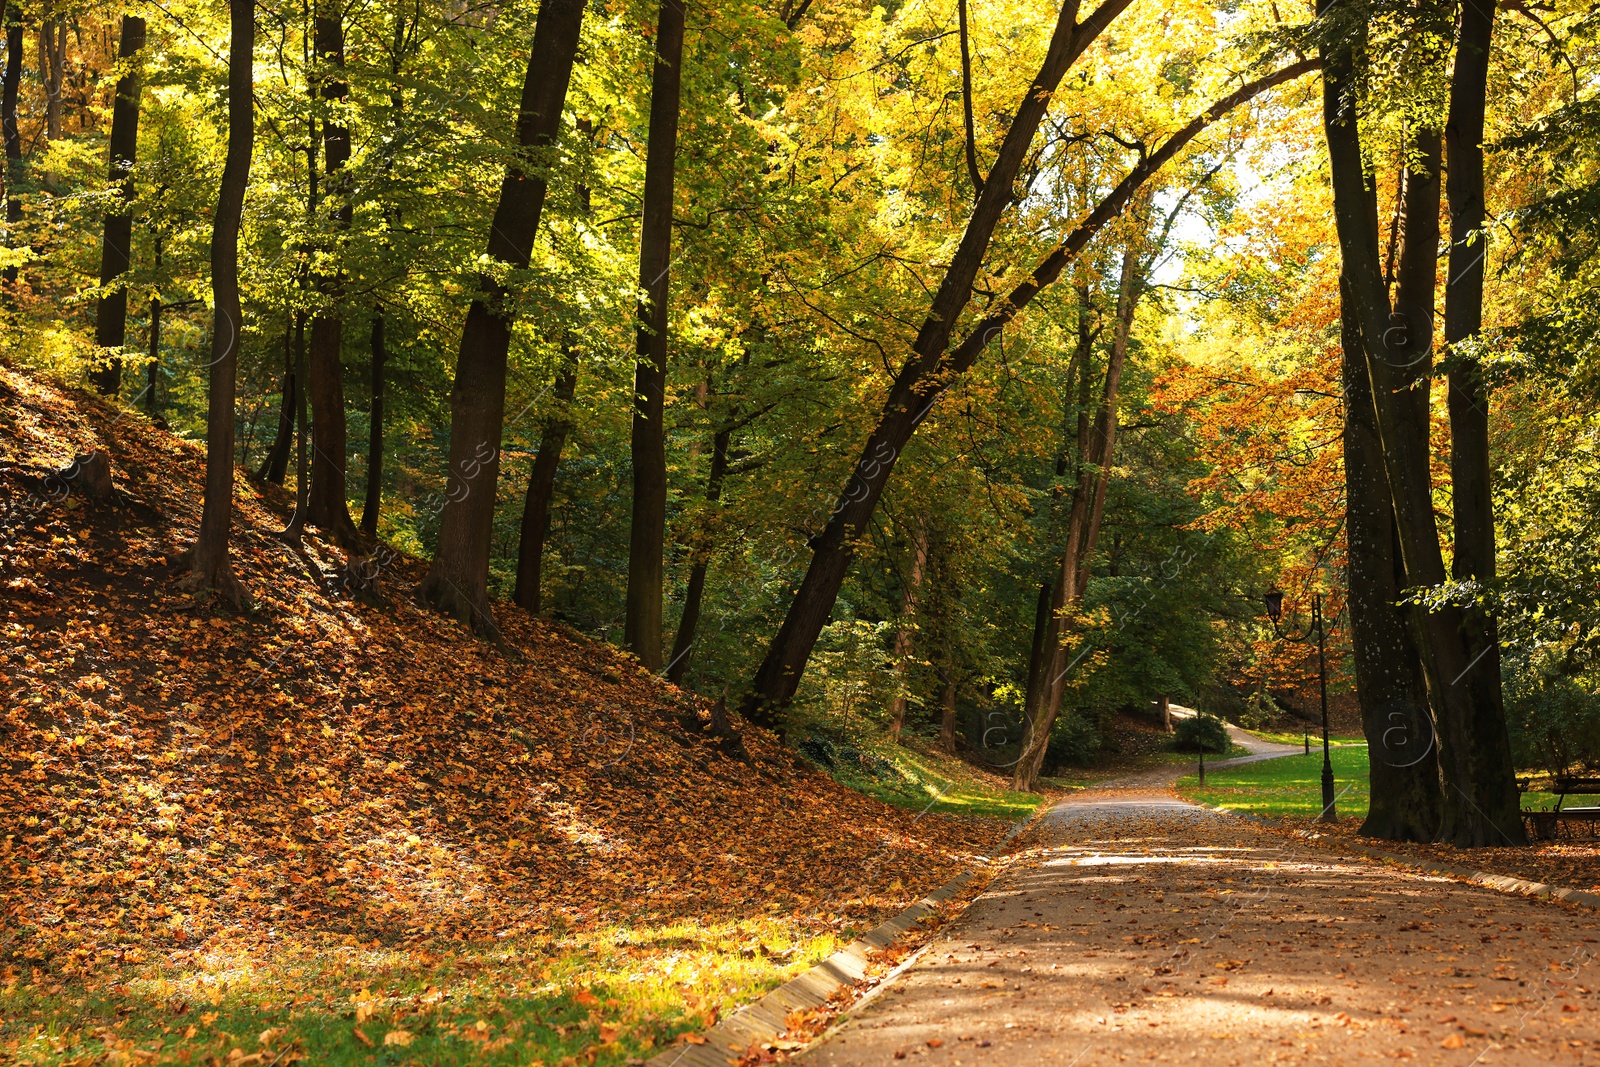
{"x":1544,"y":825}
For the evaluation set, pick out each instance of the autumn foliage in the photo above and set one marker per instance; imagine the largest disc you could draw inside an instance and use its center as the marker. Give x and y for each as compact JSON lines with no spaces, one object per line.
{"x":326,"y":770}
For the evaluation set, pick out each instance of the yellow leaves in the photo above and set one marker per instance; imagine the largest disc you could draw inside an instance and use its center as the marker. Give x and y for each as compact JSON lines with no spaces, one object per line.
{"x":405,"y":1037}
{"x":366,"y":1005}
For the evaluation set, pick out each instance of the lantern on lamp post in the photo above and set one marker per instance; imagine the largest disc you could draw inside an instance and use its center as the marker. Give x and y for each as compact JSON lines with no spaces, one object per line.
{"x":1274,"y":604}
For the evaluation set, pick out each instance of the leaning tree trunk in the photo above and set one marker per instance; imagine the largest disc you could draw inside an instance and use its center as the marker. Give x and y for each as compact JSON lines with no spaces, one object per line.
{"x":458,"y":582}
{"x":210,"y":568}
{"x":915,"y":388}
{"x":275,"y":466}
{"x":529,"y":591}
{"x":327,"y":507}
{"x":1095,"y":449}
{"x":380,"y":357}
{"x":116,"y":249}
{"x":694,"y":595}
{"x":905,"y":635}
{"x":13,"y":139}
{"x":932,"y":368}
{"x":642,"y":620}
{"x":1481,"y":802}
{"x":1401,"y":747}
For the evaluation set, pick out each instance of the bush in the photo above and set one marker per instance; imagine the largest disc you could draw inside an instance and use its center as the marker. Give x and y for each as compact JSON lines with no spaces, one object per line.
{"x":1201,"y":733}
{"x":1553,"y":720}
{"x":1074,"y":741}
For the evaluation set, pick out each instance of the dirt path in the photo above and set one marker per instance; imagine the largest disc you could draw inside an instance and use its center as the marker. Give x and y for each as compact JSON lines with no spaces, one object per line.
{"x":1147,"y":930}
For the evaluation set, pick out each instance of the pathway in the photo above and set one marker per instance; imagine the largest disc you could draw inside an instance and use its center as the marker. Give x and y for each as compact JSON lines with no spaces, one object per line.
{"x":1147,"y":930}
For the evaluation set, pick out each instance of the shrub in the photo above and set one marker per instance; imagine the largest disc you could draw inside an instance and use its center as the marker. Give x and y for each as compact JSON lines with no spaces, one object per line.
{"x":1074,"y":741}
{"x":1553,"y":720}
{"x":1201,"y":733}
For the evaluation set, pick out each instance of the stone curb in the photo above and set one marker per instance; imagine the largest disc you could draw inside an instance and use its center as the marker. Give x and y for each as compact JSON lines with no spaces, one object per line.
{"x":763,"y":1020}
{"x":1503,"y":883}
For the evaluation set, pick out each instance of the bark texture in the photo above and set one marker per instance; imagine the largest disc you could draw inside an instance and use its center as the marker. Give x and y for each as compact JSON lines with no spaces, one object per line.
{"x":1472,"y":502}
{"x":116,"y":245}
{"x":328,"y":507}
{"x":646,"y":543}
{"x":13,"y":139}
{"x":210,"y":567}
{"x":458,"y":581}
{"x":1401,"y":747}
{"x":541,"y":487}
{"x":694,"y":596}
{"x":1481,"y":801}
{"x":380,"y":357}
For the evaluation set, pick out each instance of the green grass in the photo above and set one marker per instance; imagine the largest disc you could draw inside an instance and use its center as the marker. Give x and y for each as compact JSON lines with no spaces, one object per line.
{"x":1287,"y":786}
{"x":1541,"y":801}
{"x":932,"y":781}
{"x":618,"y":994}
{"x":1298,"y":738}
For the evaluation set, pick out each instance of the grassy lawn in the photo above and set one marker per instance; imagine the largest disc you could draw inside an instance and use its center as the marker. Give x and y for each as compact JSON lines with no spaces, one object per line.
{"x":1290,"y":785}
{"x":933,"y":781}
{"x":606,"y":996}
{"x":1298,"y":738}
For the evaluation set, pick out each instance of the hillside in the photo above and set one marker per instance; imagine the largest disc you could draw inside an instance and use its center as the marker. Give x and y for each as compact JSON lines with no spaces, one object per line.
{"x":181,"y":784}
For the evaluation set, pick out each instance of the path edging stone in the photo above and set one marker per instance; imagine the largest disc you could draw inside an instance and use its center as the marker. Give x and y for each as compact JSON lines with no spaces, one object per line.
{"x":763,"y":1020}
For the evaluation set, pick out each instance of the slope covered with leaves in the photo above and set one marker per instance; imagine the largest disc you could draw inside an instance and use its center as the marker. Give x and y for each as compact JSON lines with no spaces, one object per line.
{"x":180,"y":783}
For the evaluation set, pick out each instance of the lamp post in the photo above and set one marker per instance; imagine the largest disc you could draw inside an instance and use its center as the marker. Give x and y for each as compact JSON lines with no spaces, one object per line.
{"x":1274,"y":603}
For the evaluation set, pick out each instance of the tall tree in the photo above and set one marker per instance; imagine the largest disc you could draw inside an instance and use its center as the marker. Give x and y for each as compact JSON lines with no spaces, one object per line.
{"x":458,"y":581}
{"x":210,"y":567}
{"x":13,"y":138}
{"x":1096,"y":443}
{"x":1472,"y":501}
{"x":528,"y":592}
{"x":934,"y":365}
{"x":646,"y":544}
{"x":1481,"y":802}
{"x":917,"y":385}
{"x":327,"y":506}
{"x":905,"y":634}
{"x":1390,"y":688}
{"x":374,"y":499}
{"x":116,"y":251}
{"x":275,"y":465}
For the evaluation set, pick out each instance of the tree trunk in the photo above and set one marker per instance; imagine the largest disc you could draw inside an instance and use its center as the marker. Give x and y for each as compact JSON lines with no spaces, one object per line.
{"x":642,"y":622}
{"x":13,"y":139}
{"x":947,"y":709}
{"x":541,"y":486}
{"x":116,"y":248}
{"x":302,"y":454}
{"x":1166,"y":712}
{"x":1472,"y":502}
{"x":1391,"y":691}
{"x":932,"y":369}
{"x":210,"y":565}
{"x":1096,"y":447}
{"x":694,"y":596}
{"x":1481,"y":802}
{"x":276,"y":465}
{"x":152,"y":401}
{"x":905,"y":636}
{"x":52,"y":58}
{"x":380,"y":356}
{"x":914,"y":389}
{"x":458,"y":581}
{"x":328,"y":507}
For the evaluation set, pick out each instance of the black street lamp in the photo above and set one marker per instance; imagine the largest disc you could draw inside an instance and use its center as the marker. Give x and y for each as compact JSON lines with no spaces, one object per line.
{"x":1274,"y":601}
